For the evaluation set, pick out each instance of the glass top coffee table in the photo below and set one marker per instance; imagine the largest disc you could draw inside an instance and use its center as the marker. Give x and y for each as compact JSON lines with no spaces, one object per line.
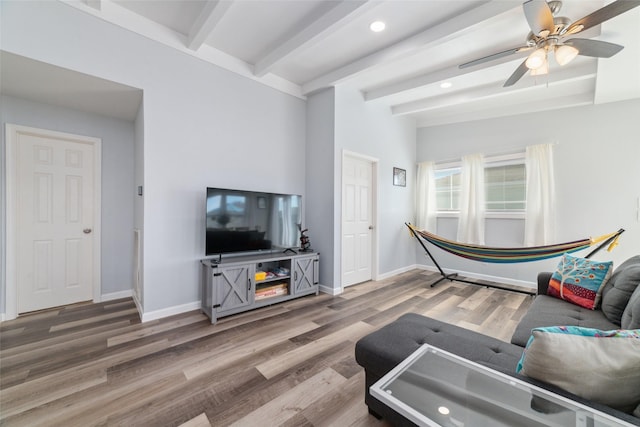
{"x":435,"y":388}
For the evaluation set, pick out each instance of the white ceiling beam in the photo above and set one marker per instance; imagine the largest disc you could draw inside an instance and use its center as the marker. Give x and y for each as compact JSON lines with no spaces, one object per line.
{"x":212,"y":12}
{"x":434,"y":77}
{"x":524,"y":107}
{"x":311,"y":33}
{"x":439,"y":33}
{"x":96,"y":4}
{"x":492,"y":90}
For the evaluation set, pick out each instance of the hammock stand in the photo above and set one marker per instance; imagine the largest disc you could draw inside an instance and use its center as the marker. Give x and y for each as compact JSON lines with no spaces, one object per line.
{"x":505,"y":255}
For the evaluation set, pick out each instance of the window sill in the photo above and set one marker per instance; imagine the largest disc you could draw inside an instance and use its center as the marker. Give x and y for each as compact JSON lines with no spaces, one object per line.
{"x":505,"y":215}
{"x":447,"y":214}
{"x":488,"y":215}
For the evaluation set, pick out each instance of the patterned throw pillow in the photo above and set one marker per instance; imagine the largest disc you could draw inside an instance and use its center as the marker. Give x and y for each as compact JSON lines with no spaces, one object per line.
{"x":578,"y":280}
{"x":602,"y":366}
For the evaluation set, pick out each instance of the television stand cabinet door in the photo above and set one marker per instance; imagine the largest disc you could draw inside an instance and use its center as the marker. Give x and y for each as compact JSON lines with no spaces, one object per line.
{"x":226,"y":289}
{"x":305,"y":275}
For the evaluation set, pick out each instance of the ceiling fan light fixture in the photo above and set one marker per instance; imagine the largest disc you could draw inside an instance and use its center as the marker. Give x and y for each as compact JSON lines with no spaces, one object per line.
{"x":565,"y":54}
{"x":537,"y":59}
{"x":541,"y":70}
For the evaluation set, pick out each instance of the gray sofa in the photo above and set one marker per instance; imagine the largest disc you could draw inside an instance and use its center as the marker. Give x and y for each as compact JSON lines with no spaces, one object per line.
{"x":382,"y":350}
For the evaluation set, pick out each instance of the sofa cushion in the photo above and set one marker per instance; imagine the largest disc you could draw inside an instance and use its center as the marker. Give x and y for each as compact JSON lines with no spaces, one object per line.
{"x":578,"y":280}
{"x":603,"y":366}
{"x":631,"y":315}
{"x":617,"y":291}
{"x":550,"y":311}
{"x":383,"y":349}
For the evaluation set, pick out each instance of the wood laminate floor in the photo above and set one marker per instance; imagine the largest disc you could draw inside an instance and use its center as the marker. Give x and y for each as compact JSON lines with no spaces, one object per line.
{"x":290,"y":364}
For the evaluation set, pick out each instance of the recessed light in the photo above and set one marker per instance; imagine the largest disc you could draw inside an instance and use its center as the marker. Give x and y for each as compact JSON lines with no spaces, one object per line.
{"x":443,"y":410}
{"x":446,"y":85}
{"x":377,"y":26}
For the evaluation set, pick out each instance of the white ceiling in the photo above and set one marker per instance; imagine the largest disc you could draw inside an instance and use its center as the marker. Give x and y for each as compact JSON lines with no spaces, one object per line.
{"x":302,"y":46}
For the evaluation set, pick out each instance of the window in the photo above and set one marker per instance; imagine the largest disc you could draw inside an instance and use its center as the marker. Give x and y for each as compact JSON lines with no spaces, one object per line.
{"x":448,"y":189}
{"x":505,"y":185}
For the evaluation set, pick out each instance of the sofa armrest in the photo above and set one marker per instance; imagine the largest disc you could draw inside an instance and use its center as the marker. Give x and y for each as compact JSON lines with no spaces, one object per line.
{"x":543,"y":282}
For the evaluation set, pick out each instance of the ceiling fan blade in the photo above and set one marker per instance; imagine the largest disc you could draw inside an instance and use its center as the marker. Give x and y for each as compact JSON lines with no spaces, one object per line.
{"x":494,"y":56}
{"x":517,"y":75}
{"x":601,"y":15}
{"x":594,"y":48}
{"x":538,"y":16}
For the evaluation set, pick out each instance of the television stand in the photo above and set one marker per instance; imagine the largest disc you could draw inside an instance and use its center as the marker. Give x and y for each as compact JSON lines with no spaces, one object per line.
{"x":231,"y":286}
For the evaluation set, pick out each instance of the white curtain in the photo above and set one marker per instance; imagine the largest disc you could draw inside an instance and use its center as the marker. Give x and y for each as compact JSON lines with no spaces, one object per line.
{"x":426,"y":197}
{"x":472,"y":200}
{"x":539,"y":226}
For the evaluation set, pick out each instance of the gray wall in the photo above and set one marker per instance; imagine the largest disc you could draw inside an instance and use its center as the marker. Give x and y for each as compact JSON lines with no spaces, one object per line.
{"x":596,"y":169}
{"x":320,"y":172}
{"x":339,"y":121}
{"x":117,"y":178}
{"x":370,"y":129}
{"x":203,"y":126}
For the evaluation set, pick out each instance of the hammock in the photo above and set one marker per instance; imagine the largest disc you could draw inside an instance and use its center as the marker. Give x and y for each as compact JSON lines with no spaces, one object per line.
{"x":509,"y":255}
{"x":506,"y":255}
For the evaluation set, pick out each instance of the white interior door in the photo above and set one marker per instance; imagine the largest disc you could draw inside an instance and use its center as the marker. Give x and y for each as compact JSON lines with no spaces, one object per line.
{"x":357,"y":220}
{"x":55,"y":212}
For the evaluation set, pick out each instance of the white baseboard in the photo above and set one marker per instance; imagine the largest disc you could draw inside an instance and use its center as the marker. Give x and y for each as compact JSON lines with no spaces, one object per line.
{"x":138,"y":304}
{"x":330,"y":291}
{"x":116,"y":295}
{"x":178,"y":309}
{"x":505,"y":280}
{"x":382,"y":276}
{"x":169,"y":311}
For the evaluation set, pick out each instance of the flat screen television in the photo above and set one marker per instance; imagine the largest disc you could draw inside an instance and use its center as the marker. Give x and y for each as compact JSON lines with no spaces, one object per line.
{"x":245,"y":221}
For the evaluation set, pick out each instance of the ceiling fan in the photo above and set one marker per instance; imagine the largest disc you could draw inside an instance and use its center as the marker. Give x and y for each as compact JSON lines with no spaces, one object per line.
{"x":549,"y":34}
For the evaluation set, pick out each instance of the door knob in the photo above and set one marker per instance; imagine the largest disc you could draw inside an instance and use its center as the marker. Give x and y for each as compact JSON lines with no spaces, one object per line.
{"x":86,"y":231}
{"x":371,"y":227}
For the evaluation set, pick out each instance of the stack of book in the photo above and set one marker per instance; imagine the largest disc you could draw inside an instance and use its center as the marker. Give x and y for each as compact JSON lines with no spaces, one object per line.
{"x":272,"y":291}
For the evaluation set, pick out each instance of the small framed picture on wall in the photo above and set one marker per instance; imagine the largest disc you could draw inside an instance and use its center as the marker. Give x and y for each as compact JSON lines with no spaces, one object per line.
{"x":399,"y":177}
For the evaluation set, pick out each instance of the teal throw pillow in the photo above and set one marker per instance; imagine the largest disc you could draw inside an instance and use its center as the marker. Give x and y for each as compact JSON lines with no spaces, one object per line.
{"x":579,"y":280}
